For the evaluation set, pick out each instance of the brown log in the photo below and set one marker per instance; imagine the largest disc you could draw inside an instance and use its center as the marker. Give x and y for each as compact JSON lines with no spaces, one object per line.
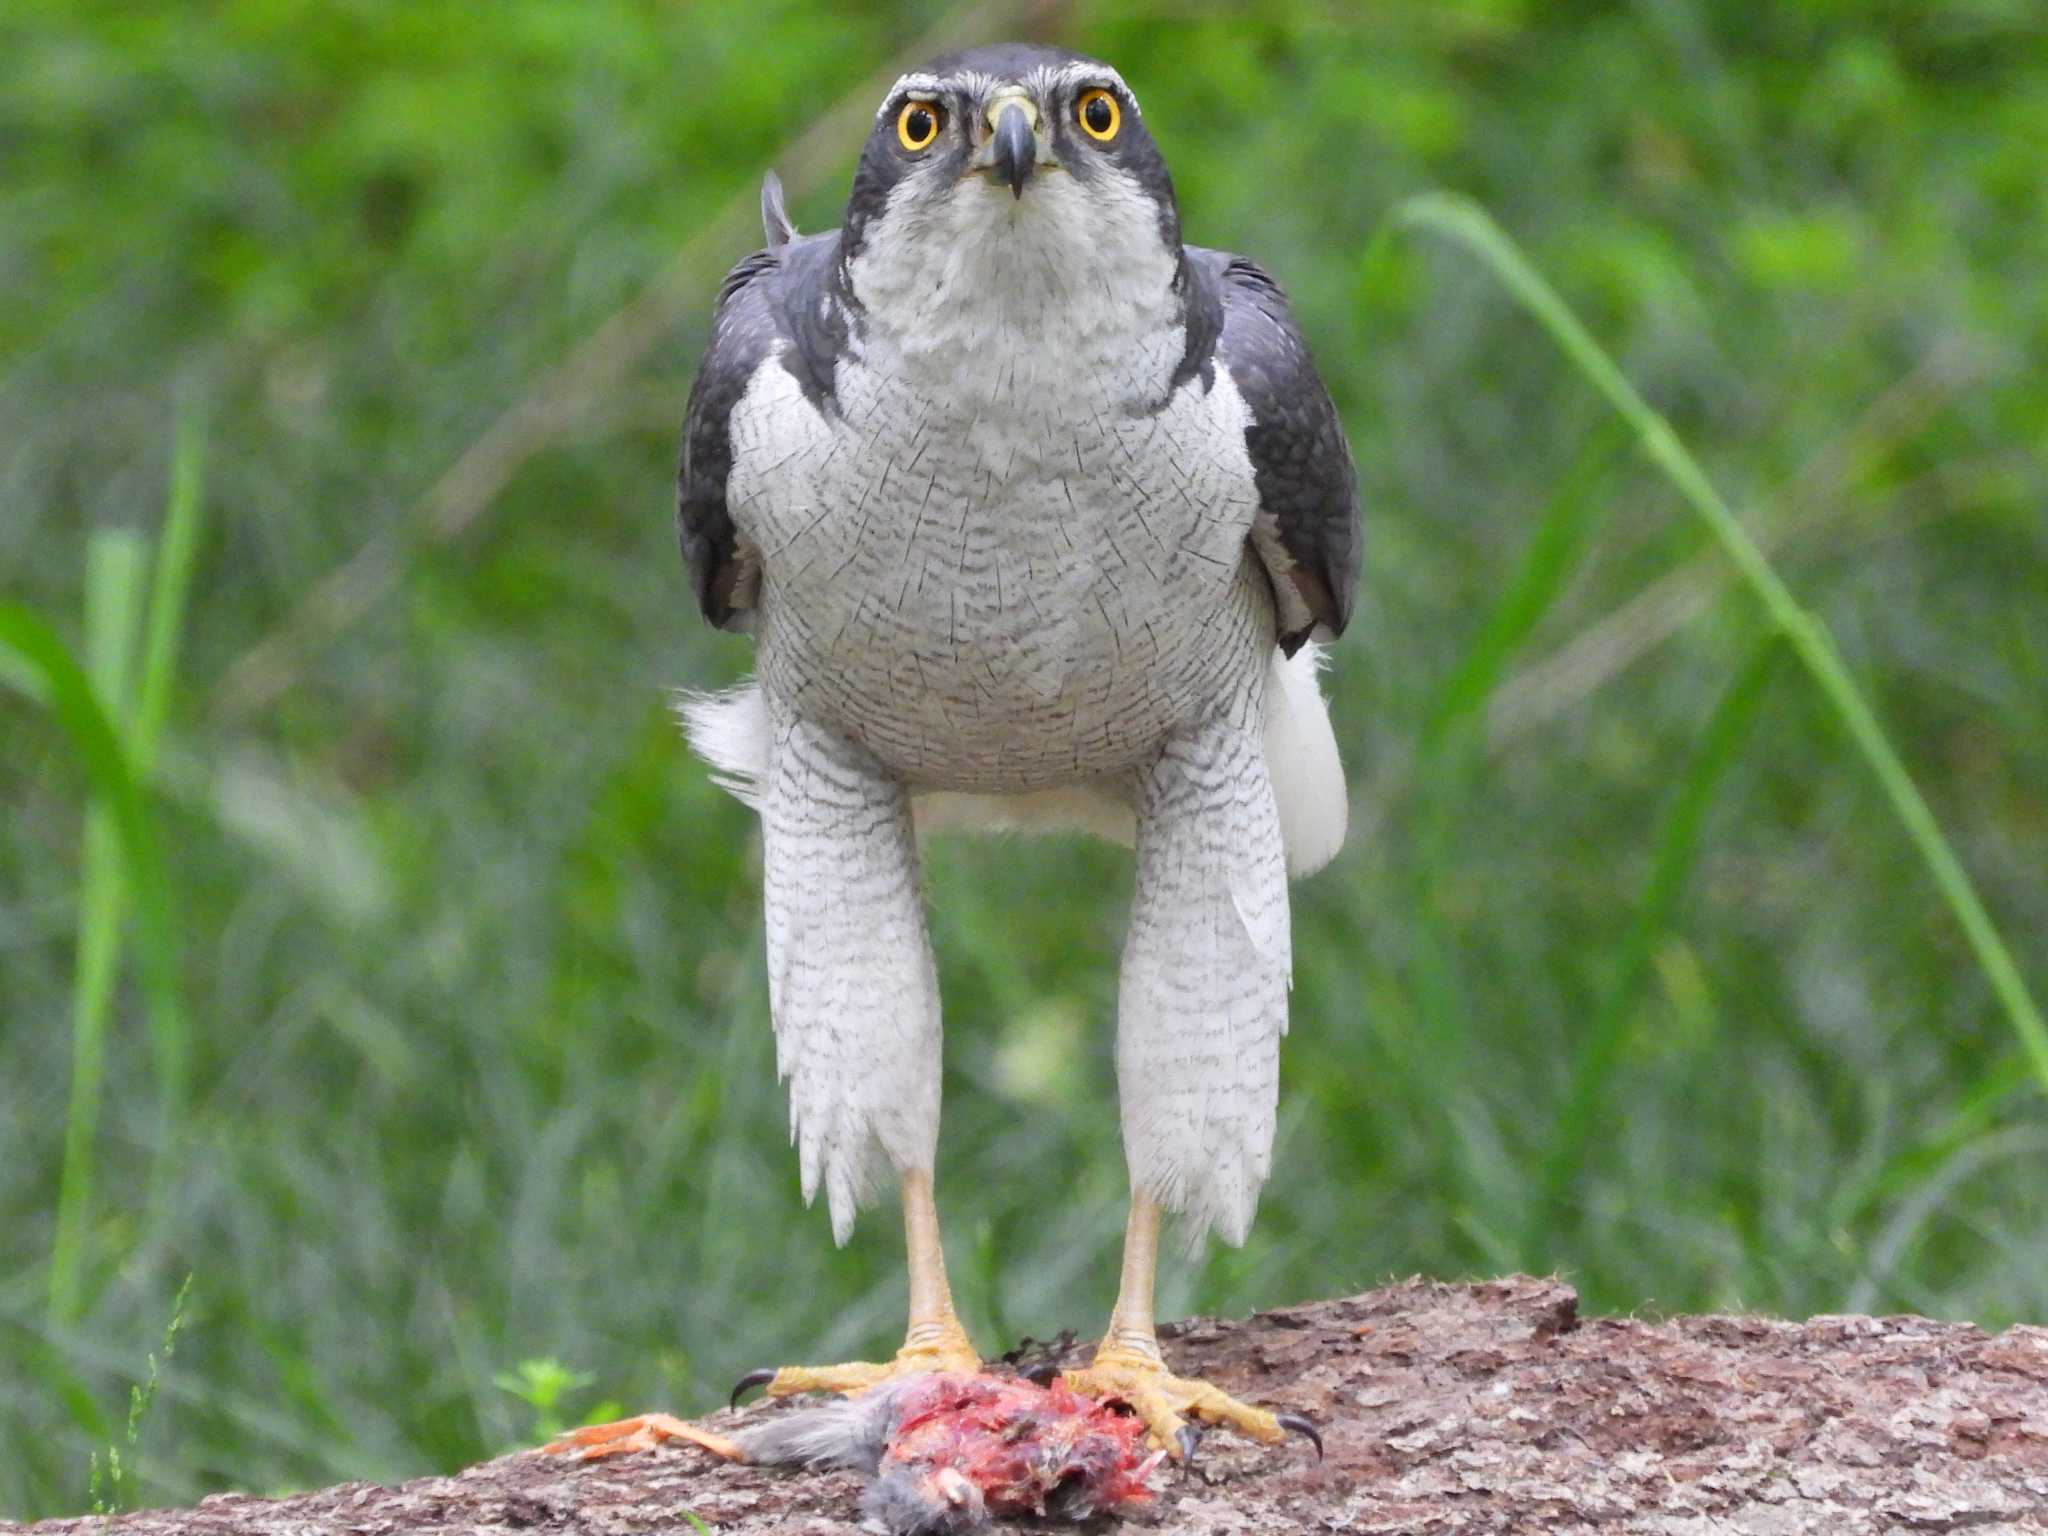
{"x":1446,"y":1408}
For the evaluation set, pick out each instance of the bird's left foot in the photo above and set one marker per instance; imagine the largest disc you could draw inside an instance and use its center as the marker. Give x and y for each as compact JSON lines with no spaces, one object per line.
{"x":1167,"y":1403}
{"x":642,"y":1432}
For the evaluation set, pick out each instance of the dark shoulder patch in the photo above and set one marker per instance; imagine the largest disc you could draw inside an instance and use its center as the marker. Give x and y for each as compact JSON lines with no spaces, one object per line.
{"x":777,"y":299}
{"x":814,"y":310}
{"x":1307,"y":532}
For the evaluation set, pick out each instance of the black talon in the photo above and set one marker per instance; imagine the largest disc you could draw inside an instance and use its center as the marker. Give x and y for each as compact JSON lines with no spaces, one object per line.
{"x":1187,"y":1437}
{"x":1301,"y":1426}
{"x":1041,"y":1374}
{"x":759,"y":1378}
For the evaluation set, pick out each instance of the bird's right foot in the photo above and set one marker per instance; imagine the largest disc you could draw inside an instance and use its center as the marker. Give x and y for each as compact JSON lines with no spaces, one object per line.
{"x":931,"y":1347}
{"x":1171,"y":1406}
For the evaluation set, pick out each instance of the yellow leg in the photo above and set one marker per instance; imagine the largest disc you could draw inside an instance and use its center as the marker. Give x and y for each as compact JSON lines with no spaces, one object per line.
{"x":1129,"y":1368}
{"x":934,"y":1341}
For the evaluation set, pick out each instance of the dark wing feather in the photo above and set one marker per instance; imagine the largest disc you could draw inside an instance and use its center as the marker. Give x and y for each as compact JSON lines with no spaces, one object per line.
{"x":1307,"y":532}
{"x":723,"y":574}
{"x":769,"y":305}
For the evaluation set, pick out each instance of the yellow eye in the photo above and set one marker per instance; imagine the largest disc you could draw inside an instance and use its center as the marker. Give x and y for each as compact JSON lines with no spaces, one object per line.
{"x":1098,"y":114}
{"x":919,"y":123}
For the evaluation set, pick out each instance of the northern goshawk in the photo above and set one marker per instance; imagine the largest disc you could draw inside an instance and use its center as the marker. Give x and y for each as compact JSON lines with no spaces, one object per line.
{"x":1035,"y":514}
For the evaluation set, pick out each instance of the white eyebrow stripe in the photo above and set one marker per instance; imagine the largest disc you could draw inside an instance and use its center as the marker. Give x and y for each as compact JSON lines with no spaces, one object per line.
{"x":1082,"y":72}
{"x":925,"y":87}
{"x":913,"y":87}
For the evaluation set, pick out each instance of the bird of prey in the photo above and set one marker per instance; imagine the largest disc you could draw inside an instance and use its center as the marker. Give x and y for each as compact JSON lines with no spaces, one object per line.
{"x":1036,"y":515}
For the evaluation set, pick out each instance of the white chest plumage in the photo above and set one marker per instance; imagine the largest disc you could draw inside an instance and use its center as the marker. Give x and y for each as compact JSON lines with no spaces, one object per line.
{"x":1010,"y":554}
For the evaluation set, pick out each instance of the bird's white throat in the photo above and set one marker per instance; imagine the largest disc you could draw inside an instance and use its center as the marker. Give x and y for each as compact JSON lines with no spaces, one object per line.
{"x":1063,"y":294}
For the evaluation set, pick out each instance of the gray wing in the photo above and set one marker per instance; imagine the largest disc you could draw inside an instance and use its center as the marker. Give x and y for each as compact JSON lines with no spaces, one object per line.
{"x":774,"y":309}
{"x":744,"y":332}
{"x":1307,"y":533}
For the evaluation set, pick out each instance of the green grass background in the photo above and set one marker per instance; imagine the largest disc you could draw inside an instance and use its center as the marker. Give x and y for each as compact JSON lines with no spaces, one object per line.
{"x":442,"y":1045}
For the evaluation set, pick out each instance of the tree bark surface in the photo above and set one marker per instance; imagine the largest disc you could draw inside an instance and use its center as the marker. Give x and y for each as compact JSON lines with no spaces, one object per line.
{"x":1445,"y":1408}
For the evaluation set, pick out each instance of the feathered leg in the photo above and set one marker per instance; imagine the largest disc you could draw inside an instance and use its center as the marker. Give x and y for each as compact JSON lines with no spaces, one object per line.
{"x":1202,"y":1001}
{"x":854,"y":993}
{"x":1202,"y":1006}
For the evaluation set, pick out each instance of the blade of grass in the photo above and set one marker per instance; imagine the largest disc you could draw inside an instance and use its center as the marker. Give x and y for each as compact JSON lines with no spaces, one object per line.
{"x":1451,"y":747}
{"x":115,"y":560}
{"x":1677,"y":848}
{"x":116,"y":563}
{"x":95,"y":971}
{"x":1464,"y":221}
{"x":1553,"y":550}
{"x":64,"y":686}
{"x":178,"y":552}
{"x":141,"y":1397}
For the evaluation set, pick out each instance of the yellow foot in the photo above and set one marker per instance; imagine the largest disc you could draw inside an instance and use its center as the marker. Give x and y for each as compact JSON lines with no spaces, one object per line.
{"x":1166,"y":1402}
{"x":926,"y":1351}
{"x":641,"y":1433}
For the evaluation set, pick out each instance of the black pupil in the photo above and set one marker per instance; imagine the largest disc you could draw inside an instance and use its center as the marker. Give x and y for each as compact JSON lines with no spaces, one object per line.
{"x":1097,"y":113}
{"x":921,"y":125}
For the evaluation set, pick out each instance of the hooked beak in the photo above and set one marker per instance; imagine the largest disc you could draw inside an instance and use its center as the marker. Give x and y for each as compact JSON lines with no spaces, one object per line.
{"x":1015,"y":145}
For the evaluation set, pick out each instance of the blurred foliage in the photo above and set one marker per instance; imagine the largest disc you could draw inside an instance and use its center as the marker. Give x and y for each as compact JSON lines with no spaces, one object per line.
{"x":546,"y":1386}
{"x":468,"y":950}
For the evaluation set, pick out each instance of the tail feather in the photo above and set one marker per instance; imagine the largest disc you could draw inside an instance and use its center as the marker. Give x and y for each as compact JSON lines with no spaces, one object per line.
{"x":729,"y":731}
{"x":1302,"y":761}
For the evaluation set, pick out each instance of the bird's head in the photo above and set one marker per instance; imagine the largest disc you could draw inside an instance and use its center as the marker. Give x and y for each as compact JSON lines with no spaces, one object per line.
{"x":1011,"y":180}
{"x":912,"y":1500}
